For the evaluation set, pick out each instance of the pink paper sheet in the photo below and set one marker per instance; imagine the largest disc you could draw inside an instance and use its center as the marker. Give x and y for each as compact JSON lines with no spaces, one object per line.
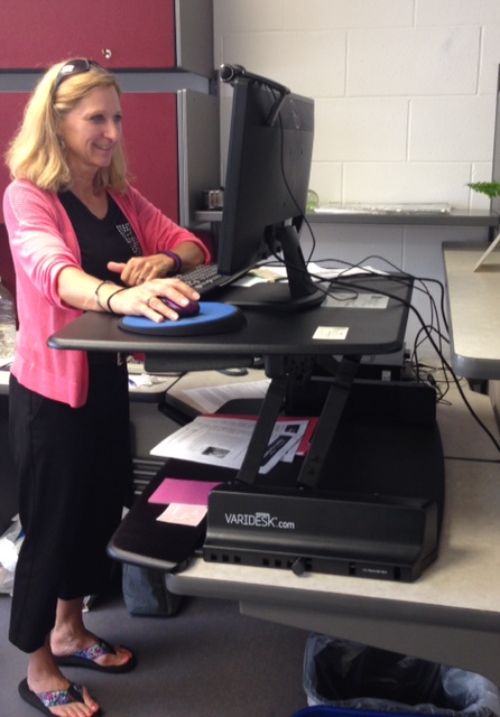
{"x":186,"y":492}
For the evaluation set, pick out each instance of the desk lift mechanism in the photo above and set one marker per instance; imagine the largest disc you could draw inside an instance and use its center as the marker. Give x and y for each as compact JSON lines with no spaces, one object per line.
{"x":306,"y":526}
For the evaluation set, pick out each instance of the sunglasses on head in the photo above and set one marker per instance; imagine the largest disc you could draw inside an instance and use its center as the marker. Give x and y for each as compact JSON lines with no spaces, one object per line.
{"x":73,"y":67}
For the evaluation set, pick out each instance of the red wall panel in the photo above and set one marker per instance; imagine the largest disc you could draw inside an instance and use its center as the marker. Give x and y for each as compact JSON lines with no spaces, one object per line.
{"x":11,"y":113}
{"x":138,"y":34}
{"x":150,"y":137}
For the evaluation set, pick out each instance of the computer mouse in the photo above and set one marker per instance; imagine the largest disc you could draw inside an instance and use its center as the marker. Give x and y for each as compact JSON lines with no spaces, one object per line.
{"x":190,"y":309}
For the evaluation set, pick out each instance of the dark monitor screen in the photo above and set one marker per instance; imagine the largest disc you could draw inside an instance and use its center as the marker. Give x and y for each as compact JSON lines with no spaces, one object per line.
{"x":267,"y":178}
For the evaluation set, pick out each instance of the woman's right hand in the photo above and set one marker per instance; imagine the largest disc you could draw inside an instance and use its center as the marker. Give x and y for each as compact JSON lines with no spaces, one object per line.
{"x":146,"y":299}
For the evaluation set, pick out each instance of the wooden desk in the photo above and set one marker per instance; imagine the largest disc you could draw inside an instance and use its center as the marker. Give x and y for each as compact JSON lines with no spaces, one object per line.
{"x":473,"y":301}
{"x":451,"y":614}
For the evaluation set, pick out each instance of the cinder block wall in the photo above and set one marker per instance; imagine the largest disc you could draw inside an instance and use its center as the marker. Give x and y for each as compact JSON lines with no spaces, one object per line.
{"x":405,"y":90}
{"x":405,"y":94}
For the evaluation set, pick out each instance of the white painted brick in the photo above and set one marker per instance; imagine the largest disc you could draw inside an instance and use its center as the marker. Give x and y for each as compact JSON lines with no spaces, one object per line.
{"x":490,"y":59}
{"x":326,"y":180}
{"x":421,"y":61}
{"x":398,"y":182}
{"x":452,"y":128}
{"x":490,"y":11}
{"x":448,"y":12}
{"x":313,"y":14}
{"x":364,"y":62}
{"x":361,"y":129}
{"x":310,"y":63}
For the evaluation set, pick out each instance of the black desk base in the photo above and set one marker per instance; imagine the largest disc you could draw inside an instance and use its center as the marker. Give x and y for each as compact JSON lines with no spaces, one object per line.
{"x":386,"y":450}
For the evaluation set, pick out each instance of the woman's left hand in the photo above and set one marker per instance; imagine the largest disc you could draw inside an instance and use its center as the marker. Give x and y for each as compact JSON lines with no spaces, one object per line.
{"x":142,"y":268}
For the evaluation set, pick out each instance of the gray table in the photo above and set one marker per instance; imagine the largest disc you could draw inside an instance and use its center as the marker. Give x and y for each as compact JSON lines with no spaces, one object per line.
{"x":451,"y":614}
{"x":473,"y":301}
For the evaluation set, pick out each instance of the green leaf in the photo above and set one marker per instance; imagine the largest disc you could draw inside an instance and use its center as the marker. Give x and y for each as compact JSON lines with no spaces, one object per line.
{"x":491,"y":189}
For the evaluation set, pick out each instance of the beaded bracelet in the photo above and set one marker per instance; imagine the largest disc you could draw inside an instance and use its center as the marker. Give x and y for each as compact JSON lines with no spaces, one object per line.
{"x":177,"y":262}
{"x":124,"y":288}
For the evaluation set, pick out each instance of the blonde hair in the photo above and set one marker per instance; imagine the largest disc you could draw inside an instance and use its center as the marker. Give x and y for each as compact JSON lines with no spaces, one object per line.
{"x":36,"y":152}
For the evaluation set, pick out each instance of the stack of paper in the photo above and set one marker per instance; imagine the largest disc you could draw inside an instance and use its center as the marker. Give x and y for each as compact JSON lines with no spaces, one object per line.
{"x":223,"y":440}
{"x":210,"y":398}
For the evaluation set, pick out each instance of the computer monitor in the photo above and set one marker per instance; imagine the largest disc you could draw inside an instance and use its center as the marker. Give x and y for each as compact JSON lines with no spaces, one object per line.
{"x":265,"y":192}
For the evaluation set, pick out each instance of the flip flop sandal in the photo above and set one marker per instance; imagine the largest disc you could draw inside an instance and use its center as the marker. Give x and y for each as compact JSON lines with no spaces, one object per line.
{"x":86,"y":658}
{"x":43,"y":701}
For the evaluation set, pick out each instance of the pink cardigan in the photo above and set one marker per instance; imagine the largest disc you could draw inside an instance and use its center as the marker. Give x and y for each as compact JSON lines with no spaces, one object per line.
{"x":43,"y":242}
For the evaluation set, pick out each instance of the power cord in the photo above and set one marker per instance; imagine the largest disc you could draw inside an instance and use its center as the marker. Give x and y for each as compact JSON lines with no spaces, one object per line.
{"x":420,"y":283}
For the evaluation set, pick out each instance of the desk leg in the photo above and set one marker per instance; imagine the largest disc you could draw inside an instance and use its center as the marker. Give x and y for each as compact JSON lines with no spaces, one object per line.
{"x":264,"y":425}
{"x":329,"y":419}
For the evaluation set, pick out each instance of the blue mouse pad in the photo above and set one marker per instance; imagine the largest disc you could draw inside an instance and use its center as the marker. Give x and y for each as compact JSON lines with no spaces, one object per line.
{"x":214,"y":318}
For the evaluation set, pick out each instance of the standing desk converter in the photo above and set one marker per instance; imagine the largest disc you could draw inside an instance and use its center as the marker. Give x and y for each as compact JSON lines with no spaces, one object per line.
{"x":395,"y":461}
{"x":367,"y":438}
{"x":367,"y":460}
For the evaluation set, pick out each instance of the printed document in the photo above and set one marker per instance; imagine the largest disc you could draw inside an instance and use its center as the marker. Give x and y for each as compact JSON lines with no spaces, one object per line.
{"x":223,"y":441}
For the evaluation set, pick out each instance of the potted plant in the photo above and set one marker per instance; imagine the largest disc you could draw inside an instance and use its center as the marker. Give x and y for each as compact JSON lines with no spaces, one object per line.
{"x":491,"y":189}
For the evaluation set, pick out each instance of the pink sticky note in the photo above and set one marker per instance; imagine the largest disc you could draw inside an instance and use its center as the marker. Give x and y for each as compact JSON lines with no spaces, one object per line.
{"x":185,"y":492}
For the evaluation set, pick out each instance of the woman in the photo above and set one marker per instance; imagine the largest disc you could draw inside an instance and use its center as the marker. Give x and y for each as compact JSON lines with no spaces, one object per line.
{"x":81,"y":239}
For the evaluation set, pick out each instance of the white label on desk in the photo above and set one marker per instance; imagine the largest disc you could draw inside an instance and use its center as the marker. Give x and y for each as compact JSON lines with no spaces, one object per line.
{"x":331,"y":333}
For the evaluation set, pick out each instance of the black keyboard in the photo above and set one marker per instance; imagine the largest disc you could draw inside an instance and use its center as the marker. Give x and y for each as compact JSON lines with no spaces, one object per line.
{"x":205,"y":278}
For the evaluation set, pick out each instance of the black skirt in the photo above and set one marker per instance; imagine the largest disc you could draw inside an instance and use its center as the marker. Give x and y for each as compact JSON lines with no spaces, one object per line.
{"x":75,"y":475}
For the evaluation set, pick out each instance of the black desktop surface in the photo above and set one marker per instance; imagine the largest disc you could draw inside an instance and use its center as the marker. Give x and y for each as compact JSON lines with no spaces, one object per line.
{"x":369,"y":331}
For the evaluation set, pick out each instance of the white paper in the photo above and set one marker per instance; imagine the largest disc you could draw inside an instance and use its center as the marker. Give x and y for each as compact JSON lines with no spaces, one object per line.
{"x":211,"y":398}
{"x":334,"y":272}
{"x":224,"y":442}
{"x":363,"y":300}
{"x":6,"y":360}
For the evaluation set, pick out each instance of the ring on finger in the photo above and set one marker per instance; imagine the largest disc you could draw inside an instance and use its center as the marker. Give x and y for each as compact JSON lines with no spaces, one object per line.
{"x":148,"y":302}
